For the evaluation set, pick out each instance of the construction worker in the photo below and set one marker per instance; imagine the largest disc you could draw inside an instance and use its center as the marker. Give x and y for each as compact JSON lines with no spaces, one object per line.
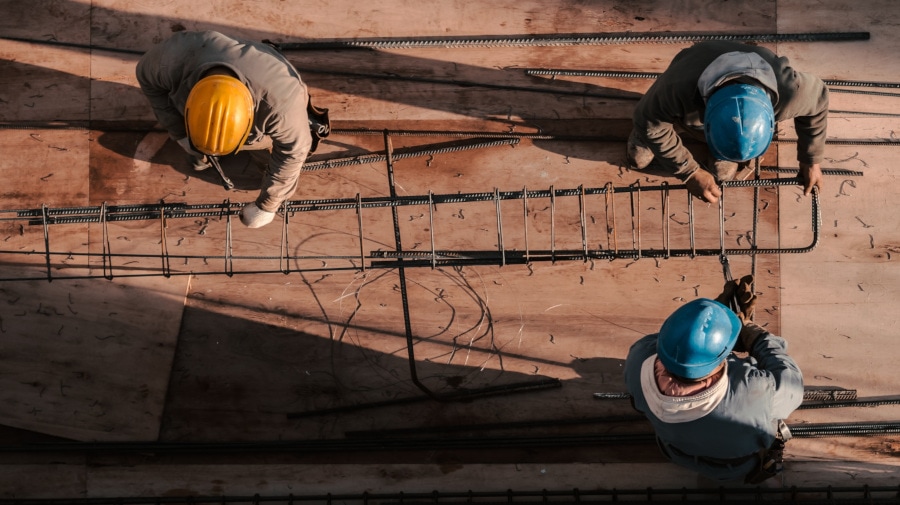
{"x":714,"y":412}
{"x":729,"y":95}
{"x":217,"y":95}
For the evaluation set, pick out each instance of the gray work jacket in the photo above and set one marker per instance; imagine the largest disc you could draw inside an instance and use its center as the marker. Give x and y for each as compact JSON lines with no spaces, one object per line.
{"x":169,"y":70}
{"x":675,"y":99}
{"x":718,"y":438}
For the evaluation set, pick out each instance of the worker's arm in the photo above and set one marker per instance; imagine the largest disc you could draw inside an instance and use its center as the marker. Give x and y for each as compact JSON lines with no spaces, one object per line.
{"x":774,"y":363}
{"x":156,"y":73}
{"x":668,"y":149}
{"x":808,"y":106}
{"x":654,"y":127}
{"x":291,"y":142}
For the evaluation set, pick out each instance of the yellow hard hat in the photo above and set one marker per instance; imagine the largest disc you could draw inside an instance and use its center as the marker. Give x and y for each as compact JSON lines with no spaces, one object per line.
{"x":218,"y":115}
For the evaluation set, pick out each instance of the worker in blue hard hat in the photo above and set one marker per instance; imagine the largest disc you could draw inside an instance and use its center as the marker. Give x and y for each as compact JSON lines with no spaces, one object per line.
{"x":729,"y":95}
{"x":714,"y":412}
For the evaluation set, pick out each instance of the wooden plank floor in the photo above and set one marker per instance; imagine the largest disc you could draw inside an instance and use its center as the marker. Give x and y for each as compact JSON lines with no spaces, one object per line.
{"x":260,"y":357}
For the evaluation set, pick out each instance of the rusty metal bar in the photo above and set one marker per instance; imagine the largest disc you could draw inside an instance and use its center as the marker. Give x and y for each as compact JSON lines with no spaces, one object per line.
{"x":583,"y":221}
{"x":164,"y":246}
{"x":285,"y":241}
{"x":107,"y":250}
{"x":501,"y":248}
{"x":229,"y":243}
{"x":525,"y":220}
{"x":552,"y":224}
{"x":431,"y":228}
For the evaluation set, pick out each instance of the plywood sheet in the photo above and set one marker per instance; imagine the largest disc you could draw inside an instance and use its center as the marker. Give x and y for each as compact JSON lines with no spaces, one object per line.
{"x":82,"y":362}
{"x":97,"y":359}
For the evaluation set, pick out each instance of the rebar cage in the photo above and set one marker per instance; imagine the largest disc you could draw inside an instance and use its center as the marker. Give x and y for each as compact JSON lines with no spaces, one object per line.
{"x":505,"y":227}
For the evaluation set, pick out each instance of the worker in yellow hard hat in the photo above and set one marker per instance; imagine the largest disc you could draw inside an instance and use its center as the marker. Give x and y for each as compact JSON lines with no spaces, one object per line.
{"x":218,"y":115}
{"x":217,"y":95}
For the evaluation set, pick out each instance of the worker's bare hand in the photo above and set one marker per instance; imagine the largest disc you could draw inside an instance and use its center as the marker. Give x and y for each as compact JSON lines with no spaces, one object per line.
{"x":703,"y":185}
{"x":811,"y":175}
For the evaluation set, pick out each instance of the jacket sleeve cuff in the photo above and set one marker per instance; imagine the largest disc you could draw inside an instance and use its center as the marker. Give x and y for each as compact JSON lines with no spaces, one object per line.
{"x":690,"y":168}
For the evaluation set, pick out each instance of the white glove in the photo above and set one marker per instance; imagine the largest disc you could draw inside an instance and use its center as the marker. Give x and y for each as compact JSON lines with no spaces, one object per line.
{"x":254,"y":217}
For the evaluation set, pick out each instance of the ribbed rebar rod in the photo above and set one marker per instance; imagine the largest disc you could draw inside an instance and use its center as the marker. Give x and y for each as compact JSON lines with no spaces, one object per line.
{"x":833,"y":495}
{"x":507,"y":41}
{"x":407,"y":153}
{"x":569,"y":40}
{"x":616,"y":74}
{"x":863,"y":92}
{"x":857,"y":402}
{"x":821,"y":396}
{"x":857,"y":429}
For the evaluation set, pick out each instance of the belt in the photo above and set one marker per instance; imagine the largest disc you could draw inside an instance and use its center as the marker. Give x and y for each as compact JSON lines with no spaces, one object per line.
{"x":722,"y":462}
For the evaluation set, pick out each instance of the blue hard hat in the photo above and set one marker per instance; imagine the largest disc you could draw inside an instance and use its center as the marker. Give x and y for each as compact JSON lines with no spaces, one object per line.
{"x":739,"y":122}
{"x":697,"y":337}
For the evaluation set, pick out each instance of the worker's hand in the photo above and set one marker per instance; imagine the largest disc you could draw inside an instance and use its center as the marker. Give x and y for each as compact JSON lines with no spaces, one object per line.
{"x":741,"y":290}
{"x":703,"y":185}
{"x":811,"y":176}
{"x":254,"y":217}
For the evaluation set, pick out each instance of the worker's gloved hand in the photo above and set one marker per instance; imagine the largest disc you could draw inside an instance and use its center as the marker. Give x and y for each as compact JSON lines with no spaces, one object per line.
{"x":254,"y":217}
{"x":703,"y":185}
{"x":811,"y":176}
{"x":740,"y":290}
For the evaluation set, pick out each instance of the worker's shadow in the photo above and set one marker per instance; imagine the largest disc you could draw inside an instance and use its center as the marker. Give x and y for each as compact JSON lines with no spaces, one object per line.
{"x":605,"y":374}
{"x":504,"y":99}
{"x":156,"y":150}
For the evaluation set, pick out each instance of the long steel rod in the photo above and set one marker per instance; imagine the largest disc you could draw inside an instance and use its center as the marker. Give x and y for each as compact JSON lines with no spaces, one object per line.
{"x":568,"y":40}
{"x":531,"y":40}
{"x":407,"y":318}
{"x":615,"y":74}
{"x":401,"y":271}
{"x":835,"y":86}
{"x":813,"y":430}
{"x":810,"y":394}
{"x":833,"y":495}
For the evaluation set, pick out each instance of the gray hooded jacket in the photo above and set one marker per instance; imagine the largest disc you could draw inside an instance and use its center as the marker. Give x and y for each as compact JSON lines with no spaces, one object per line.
{"x":678,"y":98}
{"x":168,"y":71}
{"x":718,"y":431}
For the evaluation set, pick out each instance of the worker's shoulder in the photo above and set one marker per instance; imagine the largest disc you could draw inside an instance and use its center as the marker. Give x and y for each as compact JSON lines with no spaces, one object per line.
{"x":715,"y":48}
{"x":643,"y":347}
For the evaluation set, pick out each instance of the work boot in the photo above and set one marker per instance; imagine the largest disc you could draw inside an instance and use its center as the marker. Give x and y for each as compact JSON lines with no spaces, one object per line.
{"x":200,"y":163}
{"x":637,"y":155}
{"x":724,"y":170}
